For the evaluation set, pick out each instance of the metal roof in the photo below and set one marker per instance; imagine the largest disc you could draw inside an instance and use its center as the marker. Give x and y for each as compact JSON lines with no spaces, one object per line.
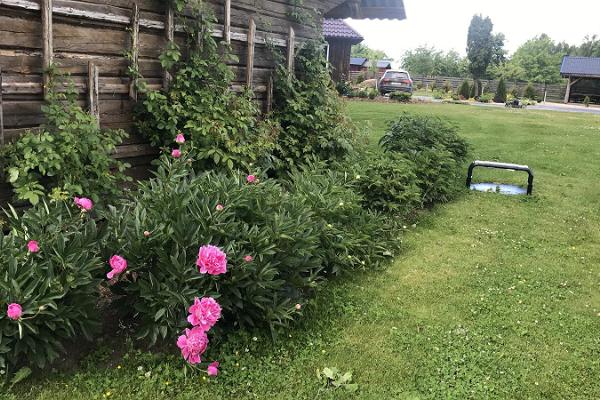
{"x":580,"y":66}
{"x":338,"y":29}
{"x":369,"y":9}
{"x":384,"y":64}
{"x":360,"y":61}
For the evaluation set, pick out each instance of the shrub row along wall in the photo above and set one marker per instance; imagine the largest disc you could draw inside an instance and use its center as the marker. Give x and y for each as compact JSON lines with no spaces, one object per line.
{"x":90,"y":39}
{"x":554,"y":92}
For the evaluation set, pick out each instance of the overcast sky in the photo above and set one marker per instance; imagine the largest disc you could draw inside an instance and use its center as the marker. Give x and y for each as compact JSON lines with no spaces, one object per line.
{"x":444,"y":23}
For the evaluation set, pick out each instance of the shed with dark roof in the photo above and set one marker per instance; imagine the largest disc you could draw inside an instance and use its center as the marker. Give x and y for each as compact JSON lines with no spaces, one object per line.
{"x":341,"y":37}
{"x":583,"y":74}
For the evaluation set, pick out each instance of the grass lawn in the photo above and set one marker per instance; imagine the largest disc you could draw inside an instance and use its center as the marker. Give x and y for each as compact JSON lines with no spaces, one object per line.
{"x":493,"y":297}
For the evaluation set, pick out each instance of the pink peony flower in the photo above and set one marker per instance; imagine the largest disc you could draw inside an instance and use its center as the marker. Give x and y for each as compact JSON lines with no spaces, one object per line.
{"x":211,"y":260}
{"x":193,"y":344}
{"x":147,"y":233}
{"x":204,"y":313}
{"x":118,"y":265}
{"x":298,"y":307}
{"x":14,"y":311}
{"x":84,"y":203}
{"x":213,"y":369}
{"x":251,"y":179}
{"x":176,"y":153}
{"x":33,"y":246}
{"x":220,"y":207}
{"x":180,"y":139}
{"x":248,"y":259}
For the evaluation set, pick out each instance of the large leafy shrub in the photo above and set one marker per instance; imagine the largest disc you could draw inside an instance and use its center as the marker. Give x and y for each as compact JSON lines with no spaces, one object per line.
{"x":70,"y":155}
{"x":436,"y":150}
{"x":351,"y":236}
{"x":181,"y":212}
{"x":56,"y":286}
{"x":386,"y":182}
{"x":500,"y":96}
{"x":410,"y":134}
{"x":311,"y":115}
{"x":225,"y":127}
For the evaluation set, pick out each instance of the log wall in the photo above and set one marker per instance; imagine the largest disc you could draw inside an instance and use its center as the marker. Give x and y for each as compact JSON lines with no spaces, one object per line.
{"x":89,"y":39}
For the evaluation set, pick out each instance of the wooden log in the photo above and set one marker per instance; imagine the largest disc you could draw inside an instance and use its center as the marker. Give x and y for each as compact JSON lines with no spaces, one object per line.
{"x":1,"y":112}
{"x":170,"y":36}
{"x":135,"y":49}
{"x":250,"y":59}
{"x":270,"y":94}
{"x":93,"y":91}
{"x":227,"y":22}
{"x":291,"y":49}
{"x":47,"y":42}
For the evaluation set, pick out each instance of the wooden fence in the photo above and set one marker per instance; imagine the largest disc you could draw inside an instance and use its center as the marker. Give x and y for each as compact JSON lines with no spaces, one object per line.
{"x":554,"y":92}
{"x":89,"y":39}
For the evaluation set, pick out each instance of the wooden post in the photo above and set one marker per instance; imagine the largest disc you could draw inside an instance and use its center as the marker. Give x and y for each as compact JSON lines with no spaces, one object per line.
{"x":291,"y":49}
{"x":1,"y":113}
{"x":93,"y":93}
{"x":135,"y":49}
{"x":227,"y":22}
{"x":47,"y":44}
{"x":568,"y":91}
{"x":250,"y":60}
{"x":170,"y":36}
{"x":270,"y":94}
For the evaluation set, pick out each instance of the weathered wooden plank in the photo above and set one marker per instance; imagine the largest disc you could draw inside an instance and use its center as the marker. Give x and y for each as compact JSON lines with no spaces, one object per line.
{"x":93,"y":92}
{"x":269,"y":103}
{"x":291,"y":51}
{"x":227,"y":22}
{"x":170,"y":36}
{"x":135,"y":51}
{"x":1,"y":112}
{"x":47,"y":40}
{"x":250,"y":56}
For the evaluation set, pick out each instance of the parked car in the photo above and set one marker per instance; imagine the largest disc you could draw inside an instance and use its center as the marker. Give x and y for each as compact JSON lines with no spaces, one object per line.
{"x":395,"y":81}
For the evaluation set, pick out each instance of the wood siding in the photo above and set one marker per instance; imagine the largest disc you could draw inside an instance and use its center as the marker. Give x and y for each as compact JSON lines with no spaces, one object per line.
{"x":86,"y":37}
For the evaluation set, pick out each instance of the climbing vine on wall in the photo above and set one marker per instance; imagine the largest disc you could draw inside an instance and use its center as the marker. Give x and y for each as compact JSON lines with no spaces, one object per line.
{"x":70,"y":155}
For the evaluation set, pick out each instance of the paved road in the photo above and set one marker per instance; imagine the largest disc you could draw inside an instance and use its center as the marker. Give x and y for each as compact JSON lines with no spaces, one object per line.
{"x":550,"y":107}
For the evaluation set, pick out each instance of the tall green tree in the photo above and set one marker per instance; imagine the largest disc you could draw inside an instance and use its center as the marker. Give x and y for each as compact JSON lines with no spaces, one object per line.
{"x":484,"y":48}
{"x":590,"y":47}
{"x":362,"y":50}
{"x":432,"y":62}
{"x":539,"y":59}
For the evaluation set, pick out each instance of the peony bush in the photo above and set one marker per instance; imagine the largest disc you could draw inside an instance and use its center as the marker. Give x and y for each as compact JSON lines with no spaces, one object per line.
{"x":50,"y":269}
{"x":240,"y":240}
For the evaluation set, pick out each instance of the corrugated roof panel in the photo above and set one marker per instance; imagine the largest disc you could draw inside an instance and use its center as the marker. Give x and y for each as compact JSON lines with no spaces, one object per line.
{"x":580,"y":66}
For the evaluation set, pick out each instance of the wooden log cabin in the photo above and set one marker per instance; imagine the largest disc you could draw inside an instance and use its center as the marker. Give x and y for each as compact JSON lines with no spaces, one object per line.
{"x":89,"y":38}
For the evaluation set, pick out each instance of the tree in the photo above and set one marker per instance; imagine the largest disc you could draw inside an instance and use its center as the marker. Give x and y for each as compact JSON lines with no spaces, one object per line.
{"x":483,"y":47}
{"x":432,"y":62}
{"x":589,"y":48}
{"x":500,"y":96}
{"x":539,"y":59}
{"x":465,"y":90}
{"x":362,"y":50}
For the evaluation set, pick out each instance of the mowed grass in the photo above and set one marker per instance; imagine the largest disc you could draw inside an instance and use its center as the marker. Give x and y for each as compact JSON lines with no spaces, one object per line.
{"x":493,"y":297}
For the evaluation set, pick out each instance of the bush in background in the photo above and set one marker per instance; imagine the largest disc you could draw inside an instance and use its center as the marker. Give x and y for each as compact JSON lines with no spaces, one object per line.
{"x":351,"y":237}
{"x":401,"y":97}
{"x":586,"y":101}
{"x":411,"y":134}
{"x":486,"y":98}
{"x":464,"y":90}
{"x":387,"y":182}
{"x":529,"y":92}
{"x":500,"y":96}
{"x":51,"y":267}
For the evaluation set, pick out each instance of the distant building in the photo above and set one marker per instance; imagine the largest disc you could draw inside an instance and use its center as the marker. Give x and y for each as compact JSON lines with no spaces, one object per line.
{"x":383,"y":65}
{"x":359,"y":64}
{"x":583,"y":74}
{"x":341,"y":37}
